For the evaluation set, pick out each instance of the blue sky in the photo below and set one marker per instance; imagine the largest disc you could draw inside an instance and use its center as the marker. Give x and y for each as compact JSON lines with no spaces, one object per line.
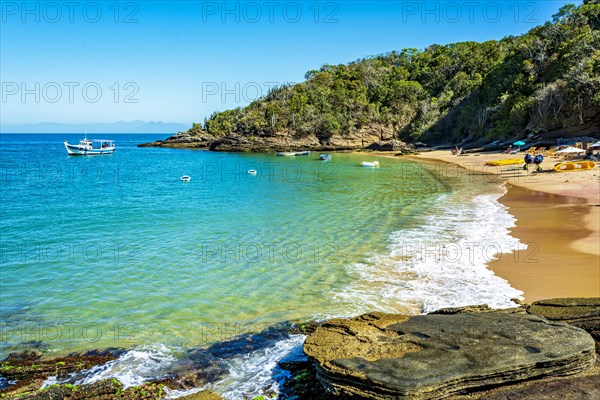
{"x":103,"y":61}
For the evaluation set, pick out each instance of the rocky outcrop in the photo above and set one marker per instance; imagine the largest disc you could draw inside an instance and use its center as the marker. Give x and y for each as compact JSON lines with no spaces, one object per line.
{"x":182,"y":140}
{"x":264,"y":144}
{"x":383,"y":356}
{"x":392,"y":145}
{"x":580,"y":312}
{"x":372,"y":137}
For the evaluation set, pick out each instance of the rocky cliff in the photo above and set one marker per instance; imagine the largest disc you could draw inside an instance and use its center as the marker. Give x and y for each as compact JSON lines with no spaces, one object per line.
{"x":371,"y":137}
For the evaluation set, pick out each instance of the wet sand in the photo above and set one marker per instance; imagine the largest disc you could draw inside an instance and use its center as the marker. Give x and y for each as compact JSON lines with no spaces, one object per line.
{"x":558,"y":216}
{"x":550,"y":267}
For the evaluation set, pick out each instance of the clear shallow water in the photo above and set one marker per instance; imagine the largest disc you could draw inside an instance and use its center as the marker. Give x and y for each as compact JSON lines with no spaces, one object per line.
{"x":116,"y":251}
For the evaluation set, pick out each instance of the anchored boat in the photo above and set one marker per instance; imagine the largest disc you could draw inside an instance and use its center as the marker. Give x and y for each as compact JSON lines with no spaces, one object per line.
{"x":88,"y":147}
{"x":325,"y":157}
{"x":374,"y":164}
{"x":574,"y":166}
{"x":509,"y":161}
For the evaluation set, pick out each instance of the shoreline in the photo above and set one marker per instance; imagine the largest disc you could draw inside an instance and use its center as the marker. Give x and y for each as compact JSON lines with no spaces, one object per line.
{"x":557,"y":215}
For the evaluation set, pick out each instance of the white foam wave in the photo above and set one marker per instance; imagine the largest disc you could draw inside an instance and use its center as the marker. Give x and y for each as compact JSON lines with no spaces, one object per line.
{"x":440,"y":263}
{"x":133,"y":368}
{"x":256,"y":373}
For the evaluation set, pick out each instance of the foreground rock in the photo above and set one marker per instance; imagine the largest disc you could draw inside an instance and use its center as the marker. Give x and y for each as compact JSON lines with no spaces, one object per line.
{"x":101,"y":390}
{"x":31,"y":365}
{"x":26,"y":372}
{"x":583,"y":313}
{"x":579,"y":388}
{"x":383,"y":356}
{"x":29,"y":370}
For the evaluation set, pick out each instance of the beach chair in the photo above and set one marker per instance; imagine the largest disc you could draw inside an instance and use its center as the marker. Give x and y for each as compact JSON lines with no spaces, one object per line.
{"x":532,"y":150}
{"x":549,"y":153}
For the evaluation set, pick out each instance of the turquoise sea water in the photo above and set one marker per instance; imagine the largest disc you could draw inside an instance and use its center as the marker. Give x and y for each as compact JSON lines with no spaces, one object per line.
{"x":112,"y":251}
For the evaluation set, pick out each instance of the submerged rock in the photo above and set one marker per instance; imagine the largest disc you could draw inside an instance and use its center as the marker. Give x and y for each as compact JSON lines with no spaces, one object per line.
{"x":203,"y":395}
{"x":302,"y":382}
{"x":29,"y":369}
{"x":383,"y":356}
{"x":102,"y":390}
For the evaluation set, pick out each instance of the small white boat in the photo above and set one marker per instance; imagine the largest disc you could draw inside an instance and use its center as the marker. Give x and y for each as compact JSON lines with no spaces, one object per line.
{"x":285,"y":153}
{"x":88,"y":147}
{"x":325,"y":157}
{"x":186,"y":178}
{"x":302,"y":153}
{"x":374,"y":164}
{"x":252,"y":172}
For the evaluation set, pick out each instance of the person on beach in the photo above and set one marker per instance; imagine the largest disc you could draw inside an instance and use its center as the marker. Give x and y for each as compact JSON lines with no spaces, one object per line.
{"x":538,"y":162}
{"x":528,"y":160}
{"x":508,"y":150}
{"x":589,"y":155}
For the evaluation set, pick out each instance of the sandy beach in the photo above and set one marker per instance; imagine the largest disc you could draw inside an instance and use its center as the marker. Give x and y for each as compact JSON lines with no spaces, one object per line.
{"x":558,"y":217}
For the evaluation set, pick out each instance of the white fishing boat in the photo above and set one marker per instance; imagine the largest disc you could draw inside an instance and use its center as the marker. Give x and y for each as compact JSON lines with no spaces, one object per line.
{"x":285,"y":153}
{"x":252,"y":172}
{"x":186,"y":178}
{"x":88,"y":147}
{"x":374,"y":164}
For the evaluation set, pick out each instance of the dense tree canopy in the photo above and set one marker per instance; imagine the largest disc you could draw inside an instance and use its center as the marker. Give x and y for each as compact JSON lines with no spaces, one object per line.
{"x":546,"y":79}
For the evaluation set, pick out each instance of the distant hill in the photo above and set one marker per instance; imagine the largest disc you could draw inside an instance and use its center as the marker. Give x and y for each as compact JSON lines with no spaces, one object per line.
{"x":111,"y":127}
{"x":537,"y":85}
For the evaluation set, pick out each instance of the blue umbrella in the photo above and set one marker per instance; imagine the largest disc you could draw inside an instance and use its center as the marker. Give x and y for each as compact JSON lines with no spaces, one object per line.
{"x":519,"y":143}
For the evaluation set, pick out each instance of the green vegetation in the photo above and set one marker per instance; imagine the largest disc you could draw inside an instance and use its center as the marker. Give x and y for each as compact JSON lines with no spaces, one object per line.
{"x":546,"y":79}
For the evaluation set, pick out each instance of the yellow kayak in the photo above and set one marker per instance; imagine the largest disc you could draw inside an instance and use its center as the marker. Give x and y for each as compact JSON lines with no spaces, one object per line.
{"x":574,"y":166}
{"x":510,"y":161}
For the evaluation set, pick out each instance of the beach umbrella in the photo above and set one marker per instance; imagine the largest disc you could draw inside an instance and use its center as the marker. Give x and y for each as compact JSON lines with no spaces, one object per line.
{"x":597,"y":144}
{"x":519,"y":143}
{"x":570,"y":149}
